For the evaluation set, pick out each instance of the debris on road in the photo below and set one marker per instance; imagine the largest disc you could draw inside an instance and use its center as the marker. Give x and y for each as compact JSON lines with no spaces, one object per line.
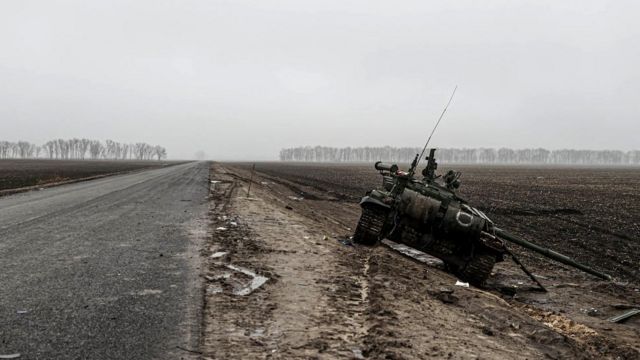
{"x":624,"y":316}
{"x":446,"y":296}
{"x":255,"y":283}
{"x":218,"y":254}
{"x":357,"y":354}
{"x":592,"y":312}
{"x":414,"y":253}
{"x":223,"y":276}
{"x":214,"y":289}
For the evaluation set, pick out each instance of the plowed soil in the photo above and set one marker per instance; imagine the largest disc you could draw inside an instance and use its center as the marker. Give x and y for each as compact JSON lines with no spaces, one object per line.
{"x":326,"y":298}
{"x":26,"y":173}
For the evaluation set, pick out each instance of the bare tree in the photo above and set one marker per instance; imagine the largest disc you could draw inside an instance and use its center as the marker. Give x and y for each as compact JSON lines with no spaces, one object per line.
{"x":468,"y":156}
{"x":23,"y":149}
{"x":5,"y":146}
{"x":159,"y":152}
{"x":95,"y":149}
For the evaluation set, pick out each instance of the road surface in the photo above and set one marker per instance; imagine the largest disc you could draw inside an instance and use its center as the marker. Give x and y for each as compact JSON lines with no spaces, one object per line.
{"x":106,"y":269}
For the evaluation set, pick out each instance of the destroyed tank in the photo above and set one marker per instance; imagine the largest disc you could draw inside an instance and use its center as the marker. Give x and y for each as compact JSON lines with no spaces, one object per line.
{"x":428,"y":215}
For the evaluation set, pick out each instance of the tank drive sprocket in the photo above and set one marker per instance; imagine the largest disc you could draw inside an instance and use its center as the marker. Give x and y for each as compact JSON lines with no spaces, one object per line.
{"x":369,"y":228}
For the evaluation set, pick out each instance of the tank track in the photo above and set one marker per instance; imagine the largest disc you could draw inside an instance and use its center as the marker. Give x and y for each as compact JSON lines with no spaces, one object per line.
{"x":369,"y":228}
{"x":478,"y":269}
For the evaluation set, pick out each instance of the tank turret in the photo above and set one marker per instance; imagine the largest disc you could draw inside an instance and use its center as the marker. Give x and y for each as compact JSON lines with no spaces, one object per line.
{"x":428,"y":215}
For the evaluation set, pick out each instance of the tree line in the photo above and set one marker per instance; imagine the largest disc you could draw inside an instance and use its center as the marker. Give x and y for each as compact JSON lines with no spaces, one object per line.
{"x":462,"y":156}
{"x":81,"y":149}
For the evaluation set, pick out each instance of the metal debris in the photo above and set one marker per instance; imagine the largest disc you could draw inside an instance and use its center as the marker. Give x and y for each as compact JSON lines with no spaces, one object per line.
{"x":592,"y":311}
{"x":414,"y":254}
{"x":255,"y":283}
{"x":624,"y":316}
{"x":214,"y":289}
{"x":357,"y":354}
{"x":223,"y":276}
{"x":218,"y":254}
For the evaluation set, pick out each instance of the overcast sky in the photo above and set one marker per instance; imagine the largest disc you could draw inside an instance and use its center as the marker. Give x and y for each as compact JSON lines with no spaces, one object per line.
{"x":242,"y":79}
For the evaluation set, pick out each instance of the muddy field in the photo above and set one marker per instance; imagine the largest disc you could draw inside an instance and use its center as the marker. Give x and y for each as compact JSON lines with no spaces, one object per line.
{"x":325,"y":298}
{"x":590,"y":214}
{"x":24,"y":173}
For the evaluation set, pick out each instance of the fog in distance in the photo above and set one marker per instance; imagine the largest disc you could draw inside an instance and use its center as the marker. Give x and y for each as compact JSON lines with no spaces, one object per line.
{"x":239,"y":80}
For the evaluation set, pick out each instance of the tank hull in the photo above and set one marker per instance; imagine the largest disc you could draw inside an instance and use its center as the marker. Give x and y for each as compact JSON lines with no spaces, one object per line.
{"x":438,"y":227}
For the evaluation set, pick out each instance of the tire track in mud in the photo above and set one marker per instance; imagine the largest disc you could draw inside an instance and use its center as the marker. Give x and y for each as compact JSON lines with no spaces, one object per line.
{"x":373,"y":323}
{"x":381,"y":332}
{"x":316,"y":305}
{"x":232,"y":324}
{"x":378,"y":304}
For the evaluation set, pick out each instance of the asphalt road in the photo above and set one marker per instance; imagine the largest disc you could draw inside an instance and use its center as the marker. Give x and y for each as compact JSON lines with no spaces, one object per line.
{"x":105,"y":269}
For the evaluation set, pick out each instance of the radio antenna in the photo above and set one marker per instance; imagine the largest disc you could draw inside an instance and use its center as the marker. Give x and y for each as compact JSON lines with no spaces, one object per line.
{"x":435,"y":127}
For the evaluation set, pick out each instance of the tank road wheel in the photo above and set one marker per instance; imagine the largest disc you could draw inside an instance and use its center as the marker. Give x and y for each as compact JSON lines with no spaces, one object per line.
{"x":478,"y":269}
{"x":369,"y":228}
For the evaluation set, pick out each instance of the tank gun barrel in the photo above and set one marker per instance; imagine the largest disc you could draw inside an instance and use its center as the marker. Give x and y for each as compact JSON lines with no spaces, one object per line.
{"x":549,"y":253}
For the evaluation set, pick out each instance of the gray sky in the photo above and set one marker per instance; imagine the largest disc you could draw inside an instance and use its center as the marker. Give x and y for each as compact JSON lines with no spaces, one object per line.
{"x":242,"y":79}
